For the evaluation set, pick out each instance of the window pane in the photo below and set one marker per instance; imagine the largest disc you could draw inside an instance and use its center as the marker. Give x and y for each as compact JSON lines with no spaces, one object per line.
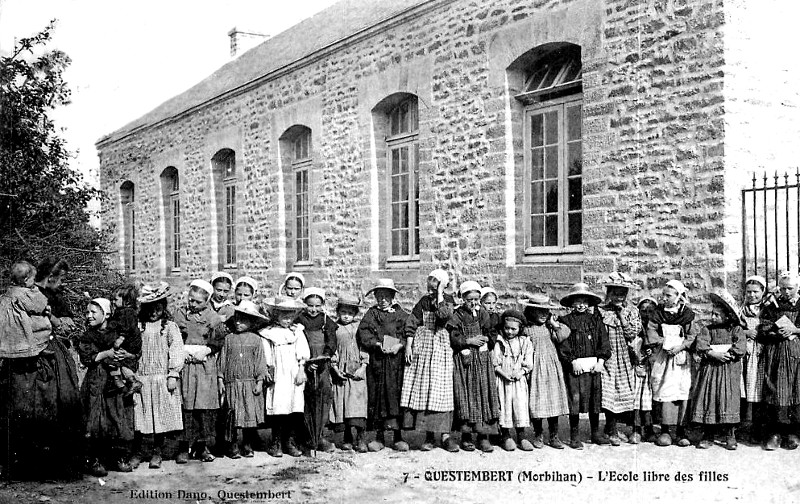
{"x":551,"y":161}
{"x":413,"y":120}
{"x":394,"y":118}
{"x":395,"y":216}
{"x":551,"y":230}
{"x":403,"y":215}
{"x":537,"y":197}
{"x":551,"y":191}
{"x":395,"y":161}
{"x":396,"y":189}
{"x":403,"y":188}
{"x":574,"y":122}
{"x":537,"y":130}
{"x":537,"y":164}
{"x":550,"y":77}
{"x":575,"y":158}
{"x":575,"y":193}
{"x":537,"y":231}
{"x":551,"y":127}
{"x":575,"y":230}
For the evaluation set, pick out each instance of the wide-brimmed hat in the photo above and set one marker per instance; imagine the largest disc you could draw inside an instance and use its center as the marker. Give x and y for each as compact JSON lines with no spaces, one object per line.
{"x":346,"y":299}
{"x":542,"y":301}
{"x":249,"y":281}
{"x":619,"y":279}
{"x":469,"y":286}
{"x":383,"y":283}
{"x":104,"y":305}
{"x":151,"y":293}
{"x":220,"y":275}
{"x":284,"y":303}
{"x":249,"y":308}
{"x":724,"y":299}
{"x":580,"y":289}
{"x":313,"y":291}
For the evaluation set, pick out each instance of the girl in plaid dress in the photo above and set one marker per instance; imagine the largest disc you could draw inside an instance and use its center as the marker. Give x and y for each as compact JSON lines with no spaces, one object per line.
{"x":428,"y":379}
{"x":477,"y":406}
{"x":157,"y":409}
{"x":753,"y":361}
{"x":513,"y":361}
{"x":548,"y":391}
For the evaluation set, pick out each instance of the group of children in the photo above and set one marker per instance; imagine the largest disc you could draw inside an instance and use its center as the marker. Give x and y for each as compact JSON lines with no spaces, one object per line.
{"x":448,"y":368}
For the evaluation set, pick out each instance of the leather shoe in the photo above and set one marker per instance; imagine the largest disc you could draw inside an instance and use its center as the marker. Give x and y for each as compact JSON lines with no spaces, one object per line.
{"x":450,"y":445}
{"x":234,"y":452}
{"x":375,"y":446}
{"x":792,"y":442}
{"x":635,"y":438}
{"x":401,"y":446}
{"x":555,"y":442}
{"x":326,"y":446}
{"x":509,"y":444}
{"x":683,"y":442}
{"x":485,"y":446}
{"x":664,"y":439}
{"x":538,"y":441}
{"x":576,"y":444}
{"x":730,"y":443}
{"x":291,"y":449}
{"x":600,"y":439}
{"x":361,"y":446}
{"x":275,"y":449}
{"x":614,"y":440}
{"x":205,"y":456}
{"x":155,"y":462}
{"x":526,"y":445}
{"x":182,"y":458}
{"x":122,"y":465}
{"x":705,"y":444}
{"x":135,"y":461}
{"x":247,"y":451}
{"x":773,"y":442}
{"x":426,"y":446}
{"x":467,"y":446}
{"x":97,"y":469}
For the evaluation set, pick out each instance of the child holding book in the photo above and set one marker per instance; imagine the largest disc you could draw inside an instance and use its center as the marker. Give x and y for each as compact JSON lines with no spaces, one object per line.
{"x":513,"y":362}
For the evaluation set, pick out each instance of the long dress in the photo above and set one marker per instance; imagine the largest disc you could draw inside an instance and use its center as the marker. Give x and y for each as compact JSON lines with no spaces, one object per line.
{"x":284,"y":348}
{"x":548,"y":391}
{"x":241,"y":364}
{"x":588,"y":337}
{"x":320,"y":333}
{"x":781,"y":361}
{"x":428,"y":380}
{"x":476,"y":402}
{"x":384,"y":371}
{"x":156,"y":409}
{"x":716,"y":394}
{"x":513,"y":356}
{"x":671,"y":376}
{"x":349,"y":395}
{"x":753,"y":361}
{"x":618,"y":376}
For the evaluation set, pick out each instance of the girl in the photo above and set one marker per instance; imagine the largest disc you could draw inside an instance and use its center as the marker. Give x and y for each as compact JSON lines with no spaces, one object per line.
{"x":203,"y":336}
{"x":293,"y":285}
{"x":623,"y":325}
{"x":222,"y":283}
{"x":513,"y":362}
{"x":428,"y":379}
{"x":670,"y":334}
{"x":489,"y":303}
{"x":286,"y":349}
{"x":123,"y":326}
{"x":349,"y":373}
{"x":642,"y":391}
{"x":716,"y":393}
{"x":477,"y":407}
{"x":242,"y":374}
{"x":753,"y":361}
{"x":157,"y":410}
{"x":584,"y":354}
{"x":246,"y":288}
{"x":548,"y":391}
{"x":380,"y":334}
{"x":109,"y":417}
{"x":321,"y":336}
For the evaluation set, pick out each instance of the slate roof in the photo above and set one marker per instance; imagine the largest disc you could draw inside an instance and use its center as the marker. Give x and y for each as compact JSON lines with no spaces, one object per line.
{"x":337,"y":22}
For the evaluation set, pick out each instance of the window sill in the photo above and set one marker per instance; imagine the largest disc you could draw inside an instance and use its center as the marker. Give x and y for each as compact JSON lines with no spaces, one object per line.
{"x":303,"y":265}
{"x":566,"y":257}
{"x":231,"y":266}
{"x":402,"y":262}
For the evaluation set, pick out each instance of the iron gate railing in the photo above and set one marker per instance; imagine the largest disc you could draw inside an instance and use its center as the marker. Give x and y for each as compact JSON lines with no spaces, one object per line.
{"x":771,"y":225}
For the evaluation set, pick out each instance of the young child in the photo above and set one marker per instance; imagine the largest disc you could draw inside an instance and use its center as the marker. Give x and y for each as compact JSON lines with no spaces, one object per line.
{"x":753,"y":361}
{"x":222,"y":283}
{"x":109,"y":418}
{"x":203,"y":336}
{"x":380,"y":334}
{"x":670,"y":334}
{"x":489,"y":303}
{"x":548,"y":391}
{"x":584,"y":353}
{"x":24,"y":316}
{"x":245,"y":288}
{"x":320,"y":332}
{"x":716,"y":393}
{"x":477,"y":406}
{"x":286,"y":350}
{"x":623,"y":325}
{"x":157,"y":409}
{"x":348,"y":374}
{"x":242,"y":375}
{"x":428,"y":379}
{"x":513,"y":362}
{"x":642,"y":391}
{"x":123,"y":328}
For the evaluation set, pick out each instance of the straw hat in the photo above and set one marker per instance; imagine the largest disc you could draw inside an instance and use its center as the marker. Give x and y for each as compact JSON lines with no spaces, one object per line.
{"x":469,"y":286}
{"x":538,"y":301}
{"x":314,"y":291}
{"x":618,"y":279}
{"x":151,"y":294}
{"x":284,"y":303}
{"x":249,"y":308}
{"x":346,"y":299}
{"x":580,"y":289}
{"x":221,"y":275}
{"x":724,"y":298}
{"x":104,"y":305}
{"x":249,"y":281}
{"x":383,"y":283}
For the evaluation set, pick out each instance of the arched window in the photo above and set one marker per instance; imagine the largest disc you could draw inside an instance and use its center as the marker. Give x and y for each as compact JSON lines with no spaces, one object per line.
{"x":127,"y":199}
{"x":224,"y":169}
{"x":553,"y":148}
{"x":170,"y":186}
{"x":298,"y":160}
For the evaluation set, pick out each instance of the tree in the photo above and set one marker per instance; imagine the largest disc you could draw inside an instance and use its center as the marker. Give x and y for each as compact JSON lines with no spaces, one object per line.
{"x":43,"y":201}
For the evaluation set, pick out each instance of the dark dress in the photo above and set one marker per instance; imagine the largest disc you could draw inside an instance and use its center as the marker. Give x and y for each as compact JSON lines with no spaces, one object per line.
{"x":321,"y":337}
{"x":781,"y":361}
{"x":717,"y":389}
{"x":476,"y":401}
{"x":108,"y":417}
{"x":125,"y":322}
{"x":588,"y":337}
{"x":384,"y":371}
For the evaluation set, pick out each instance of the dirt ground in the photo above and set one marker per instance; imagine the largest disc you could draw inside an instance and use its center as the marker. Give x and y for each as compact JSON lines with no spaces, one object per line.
{"x":715,"y":475}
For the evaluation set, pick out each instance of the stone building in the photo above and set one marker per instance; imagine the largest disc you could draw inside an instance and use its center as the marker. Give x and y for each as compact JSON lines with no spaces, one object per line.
{"x":523,"y":144}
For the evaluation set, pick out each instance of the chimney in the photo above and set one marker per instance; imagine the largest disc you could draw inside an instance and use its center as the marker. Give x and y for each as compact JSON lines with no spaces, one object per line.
{"x":242,"y":41}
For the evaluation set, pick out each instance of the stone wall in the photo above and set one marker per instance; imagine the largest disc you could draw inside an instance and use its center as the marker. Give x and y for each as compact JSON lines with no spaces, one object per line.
{"x":653,"y":137}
